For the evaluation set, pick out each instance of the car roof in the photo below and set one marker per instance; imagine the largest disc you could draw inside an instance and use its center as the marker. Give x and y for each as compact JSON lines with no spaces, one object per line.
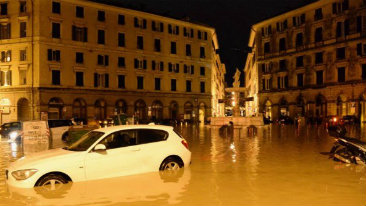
{"x":125,"y":127}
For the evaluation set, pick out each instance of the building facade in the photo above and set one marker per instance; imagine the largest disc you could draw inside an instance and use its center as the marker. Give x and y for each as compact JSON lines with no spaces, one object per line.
{"x":310,"y":61}
{"x":77,"y":58}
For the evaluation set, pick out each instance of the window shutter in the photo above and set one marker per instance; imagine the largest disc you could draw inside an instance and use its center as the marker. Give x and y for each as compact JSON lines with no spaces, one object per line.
{"x":85,"y":34}
{"x":49,"y":54}
{"x":95,"y":79}
{"x":106,"y":76}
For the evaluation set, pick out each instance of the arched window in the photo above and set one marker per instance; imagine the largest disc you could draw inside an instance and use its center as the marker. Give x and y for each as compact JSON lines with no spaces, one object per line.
{"x":157,"y":110}
{"x":79,"y":109}
{"x":140,"y":109}
{"x":55,"y":108}
{"x":100,"y":109}
{"x":121,"y":106}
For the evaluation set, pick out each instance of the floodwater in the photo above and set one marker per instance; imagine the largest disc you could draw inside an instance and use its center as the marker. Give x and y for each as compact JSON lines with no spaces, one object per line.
{"x":279,"y":165}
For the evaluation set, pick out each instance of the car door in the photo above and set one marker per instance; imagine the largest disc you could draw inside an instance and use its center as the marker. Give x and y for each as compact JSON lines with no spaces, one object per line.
{"x":121,"y":157}
{"x":58,"y":128}
{"x":153,"y":148}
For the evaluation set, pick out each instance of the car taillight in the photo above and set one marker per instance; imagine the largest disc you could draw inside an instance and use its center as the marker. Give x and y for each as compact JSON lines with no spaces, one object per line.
{"x":185,"y":143}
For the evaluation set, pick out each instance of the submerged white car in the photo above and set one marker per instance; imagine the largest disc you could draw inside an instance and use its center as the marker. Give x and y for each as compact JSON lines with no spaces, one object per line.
{"x":103,"y":153}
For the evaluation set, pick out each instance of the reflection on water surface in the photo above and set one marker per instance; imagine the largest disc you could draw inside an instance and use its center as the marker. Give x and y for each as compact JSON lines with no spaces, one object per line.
{"x":279,"y":165}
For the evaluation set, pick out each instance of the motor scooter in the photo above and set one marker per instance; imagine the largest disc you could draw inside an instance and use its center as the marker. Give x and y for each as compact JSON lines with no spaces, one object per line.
{"x":346,"y":149}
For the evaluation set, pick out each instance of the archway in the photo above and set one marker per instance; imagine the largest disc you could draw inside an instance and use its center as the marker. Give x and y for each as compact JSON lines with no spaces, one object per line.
{"x":201,"y":112}
{"x":362,"y":108}
{"x":283,"y":107}
{"x":268,"y":109}
{"x":121,"y":107}
{"x":23,"y":109}
{"x":300,"y":105}
{"x":79,"y":109}
{"x":55,"y":108}
{"x":140,"y":109}
{"x":157,"y":110}
{"x":321,"y":106}
{"x":341,"y":105}
{"x":100,"y":109}
{"x":188,"y":110}
{"x":173,"y":110}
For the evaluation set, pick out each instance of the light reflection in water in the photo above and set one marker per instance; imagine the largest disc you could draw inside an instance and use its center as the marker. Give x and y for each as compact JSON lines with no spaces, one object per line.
{"x":277,"y":165}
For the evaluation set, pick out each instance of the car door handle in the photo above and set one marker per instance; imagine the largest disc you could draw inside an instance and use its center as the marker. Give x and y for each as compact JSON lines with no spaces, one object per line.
{"x":135,"y":150}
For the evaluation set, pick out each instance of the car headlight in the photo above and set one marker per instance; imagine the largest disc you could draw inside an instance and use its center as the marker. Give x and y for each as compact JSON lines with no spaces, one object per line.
{"x":23,"y":174}
{"x":13,"y":135}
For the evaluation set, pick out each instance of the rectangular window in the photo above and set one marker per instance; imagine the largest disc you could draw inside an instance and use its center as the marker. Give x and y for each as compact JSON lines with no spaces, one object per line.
{"x":199,"y":34}
{"x":23,"y":77}
{"x":188,"y":85}
{"x":6,"y":78}
{"x":319,"y":34}
{"x":205,"y":36}
{"x":161,"y":66}
{"x":173,"y":85}
{"x":202,"y":87}
{"x":318,"y":14}
{"x":101,"y":15}
{"x":140,"y":82}
{"x":319,"y":77}
{"x":157,"y":83}
{"x":121,"y":19}
{"x":341,"y":74}
{"x":341,"y":53}
{"x":5,"y":31}
{"x":173,"y":47}
{"x":346,"y":27}
{"x":267,"y":48}
{"x":202,"y":52}
{"x":79,"y":34}
{"x":96,"y":80}
{"x":300,"y":80}
{"x":79,"y":79}
{"x":101,"y":37}
{"x":79,"y":56}
{"x":103,"y":60}
{"x":282,"y":44}
{"x":3,"y":8}
{"x":56,"y":7}
{"x":157,"y":45}
{"x":56,"y":30}
{"x":121,"y":81}
{"x":153,"y":65}
{"x":121,"y":62}
{"x":22,"y":6}
{"x":188,"y":50}
{"x":54,"y":55}
{"x":319,"y":58}
{"x":79,"y":12}
{"x":202,"y":71}
{"x":23,"y":55}
{"x":363,"y":76}
{"x":121,"y":40}
{"x":140,"y":42}
{"x":359,"y":23}
{"x":106,"y":80}
{"x":339,"y":32}
{"x":299,"y":40}
{"x":300,"y":61}
{"x":6,"y":56}
{"x":55,"y":77}
{"x":23,"y":29}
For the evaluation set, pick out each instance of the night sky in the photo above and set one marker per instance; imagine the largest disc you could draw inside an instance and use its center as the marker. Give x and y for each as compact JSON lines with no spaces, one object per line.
{"x":231,"y":18}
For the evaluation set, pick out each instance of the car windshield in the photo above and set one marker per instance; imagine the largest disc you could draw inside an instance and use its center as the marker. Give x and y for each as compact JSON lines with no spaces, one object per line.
{"x":85,"y":141}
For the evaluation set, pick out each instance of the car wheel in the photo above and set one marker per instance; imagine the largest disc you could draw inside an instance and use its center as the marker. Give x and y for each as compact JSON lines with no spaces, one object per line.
{"x":52,"y":182}
{"x":171,"y":164}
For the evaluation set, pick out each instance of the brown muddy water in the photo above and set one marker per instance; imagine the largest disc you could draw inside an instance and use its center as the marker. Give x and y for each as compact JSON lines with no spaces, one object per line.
{"x":279,"y":165}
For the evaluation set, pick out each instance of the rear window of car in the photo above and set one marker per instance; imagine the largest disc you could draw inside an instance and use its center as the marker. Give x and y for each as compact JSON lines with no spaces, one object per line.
{"x":151,"y":135}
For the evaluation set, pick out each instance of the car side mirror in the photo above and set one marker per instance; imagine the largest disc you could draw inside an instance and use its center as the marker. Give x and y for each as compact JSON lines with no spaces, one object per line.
{"x":100,"y":148}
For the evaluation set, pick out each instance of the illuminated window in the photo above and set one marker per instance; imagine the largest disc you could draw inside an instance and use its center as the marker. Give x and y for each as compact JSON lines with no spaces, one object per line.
{"x":6,"y":56}
{"x":5,"y":31}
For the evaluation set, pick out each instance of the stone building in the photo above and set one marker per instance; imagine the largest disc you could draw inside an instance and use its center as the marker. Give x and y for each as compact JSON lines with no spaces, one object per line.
{"x":309,"y":61}
{"x":77,"y":58}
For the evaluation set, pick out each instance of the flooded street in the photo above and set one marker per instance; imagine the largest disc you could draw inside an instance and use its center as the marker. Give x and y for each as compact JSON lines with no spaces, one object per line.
{"x":279,"y":165}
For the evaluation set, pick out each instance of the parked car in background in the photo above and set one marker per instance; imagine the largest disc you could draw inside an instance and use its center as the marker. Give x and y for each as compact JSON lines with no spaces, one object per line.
{"x":333,"y":120}
{"x":103,"y":153}
{"x":59,"y":128}
{"x":350,"y":119}
{"x":11,"y":130}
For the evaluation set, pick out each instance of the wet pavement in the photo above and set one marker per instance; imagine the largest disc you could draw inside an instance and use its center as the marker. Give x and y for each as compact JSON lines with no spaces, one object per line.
{"x":279,"y":165}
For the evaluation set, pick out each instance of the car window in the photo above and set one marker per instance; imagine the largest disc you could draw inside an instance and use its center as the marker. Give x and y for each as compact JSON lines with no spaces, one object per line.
{"x":85,"y":141}
{"x":119,"y":139}
{"x":151,"y":135}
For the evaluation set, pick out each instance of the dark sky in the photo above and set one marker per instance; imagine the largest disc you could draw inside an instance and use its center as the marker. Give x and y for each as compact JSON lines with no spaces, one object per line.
{"x":231,"y":18}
